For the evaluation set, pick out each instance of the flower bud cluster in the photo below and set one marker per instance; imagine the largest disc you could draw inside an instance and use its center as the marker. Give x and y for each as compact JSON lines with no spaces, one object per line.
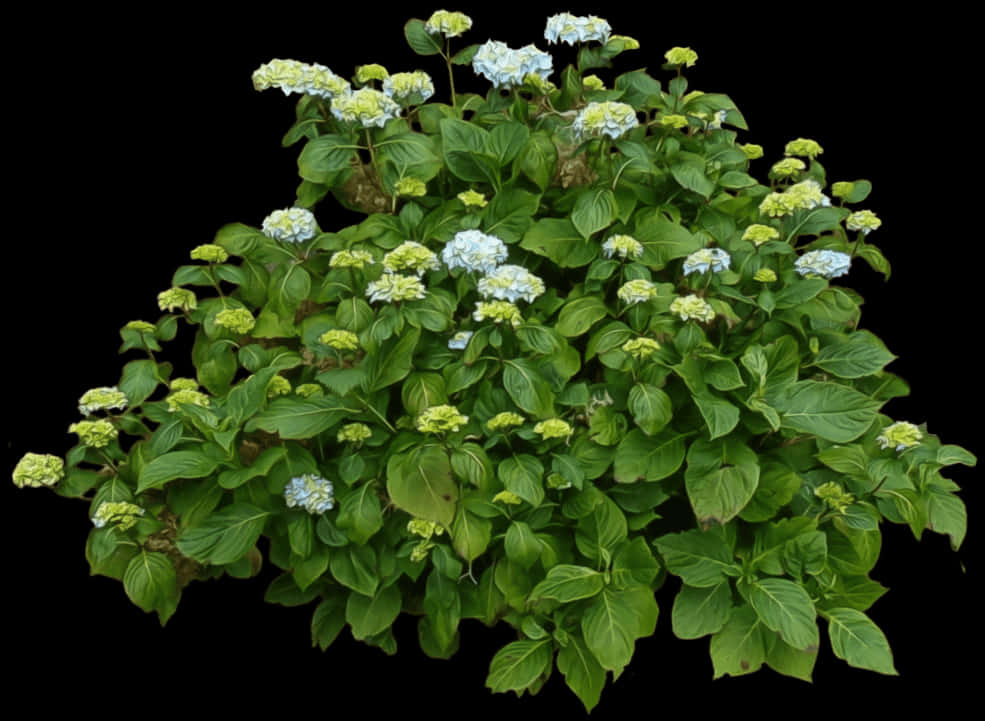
{"x":367,"y":107}
{"x":98,"y":399}
{"x":691,"y":306}
{"x":35,"y":470}
{"x":238,"y":320}
{"x":120,"y":513}
{"x":511,"y":282}
{"x":405,"y":87}
{"x":350,"y":259}
{"x":900,"y":435}
{"x":189,"y":396}
{"x":292,"y":76}
{"x":553,"y":428}
{"x":641,"y":347}
{"x":625,"y":246}
{"x":392,"y":287}
{"x":354,"y":433}
{"x":340,"y":339}
{"x":310,"y":492}
{"x":701,"y":261}
{"x":440,"y":419}
{"x":449,"y":24}
{"x":824,"y":263}
{"x":498,"y":311}
{"x":411,"y":256}
{"x":506,"y":419}
{"x":571,"y":29}
{"x":506,"y":68}
{"x":637,"y":291}
{"x":291,"y":225}
{"x":96,"y":434}
{"x":609,"y":118}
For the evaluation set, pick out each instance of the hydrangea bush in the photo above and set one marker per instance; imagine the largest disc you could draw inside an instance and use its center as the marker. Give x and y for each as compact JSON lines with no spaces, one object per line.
{"x":571,"y":316}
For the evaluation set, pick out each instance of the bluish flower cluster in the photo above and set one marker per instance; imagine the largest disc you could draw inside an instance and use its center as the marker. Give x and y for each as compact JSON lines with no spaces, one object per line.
{"x":292,"y":225}
{"x":311,"y":492}
{"x":571,"y":29}
{"x":510,"y":282}
{"x":608,"y":118}
{"x":506,"y":68}
{"x":714,"y":258}
{"x":474,"y":251}
{"x":826,"y":263}
{"x":460,"y":340}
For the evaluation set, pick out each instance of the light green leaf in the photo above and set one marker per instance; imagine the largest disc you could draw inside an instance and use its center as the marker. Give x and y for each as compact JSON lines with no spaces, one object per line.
{"x":720,"y":415}
{"x":224,"y":536}
{"x":614,"y":620}
{"x":470,"y":534}
{"x":420,"y":482}
{"x":566,"y":583}
{"x":831,"y":411}
{"x":858,"y":641}
{"x":698,"y":612}
{"x":581,"y":671}
{"x":516,"y":666}
{"x":650,"y":407}
{"x":784,"y":606}
{"x":177,"y":464}
{"x":740,"y":647}
{"x":594,"y":210}
{"x":369,"y":615}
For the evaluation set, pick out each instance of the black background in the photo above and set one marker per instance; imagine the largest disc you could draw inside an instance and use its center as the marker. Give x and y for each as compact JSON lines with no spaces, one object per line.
{"x":137,"y":136}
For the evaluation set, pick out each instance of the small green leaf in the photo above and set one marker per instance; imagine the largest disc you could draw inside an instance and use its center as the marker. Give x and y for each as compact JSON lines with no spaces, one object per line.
{"x":566,"y":583}
{"x":224,"y":536}
{"x":858,"y":641}
{"x":419,"y":39}
{"x":516,"y":666}
{"x":368,"y":616}
{"x":177,"y":464}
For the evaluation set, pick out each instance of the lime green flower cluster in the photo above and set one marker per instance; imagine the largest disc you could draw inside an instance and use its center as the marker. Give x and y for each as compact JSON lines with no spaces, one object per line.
{"x":370,"y":72}
{"x":473,"y":199}
{"x":834,"y":496}
{"x":842,"y":189}
{"x":641,"y":347}
{"x":414,"y":88}
{"x":674,"y":121}
{"x":292,"y":76}
{"x":183,"y":384}
{"x":804,"y":147}
{"x":186,"y":395}
{"x":395,"y":287}
{"x":691,"y":306}
{"x":424,"y":529}
{"x":592,"y":82}
{"x":504,"y":420}
{"x":96,"y":434}
{"x":498,"y":311}
{"x":350,"y":259}
{"x":307,"y":390}
{"x":210,"y":253}
{"x":759,"y":234}
{"x":440,"y":419}
{"x":507,"y":497}
{"x":608,"y":118}
{"x":553,"y":428}
{"x":623,"y":245}
{"x":557,"y":481}
{"x":340,"y":339}
{"x":35,"y":470}
{"x":411,"y":187}
{"x":864,"y":220}
{"x":141,"y":325}
{"x":238,"y":320}
{"x":411,"y":256}
{"x":122,"y":514}
{"x":752,"y":150}
{"x":278,"y":386}
{"x":788,"y":167}
{"x":449,"y":24}
{"x":804,"y":195}
{"x":900,"y":435}
{"x":765,"y":275}
{"x":180,"y":298}
{"x":681,"y":56}
{"x":354,"y":433}
{"x":637,"y":291}
{"x":98,"y":399}
{"x":367,"y":106}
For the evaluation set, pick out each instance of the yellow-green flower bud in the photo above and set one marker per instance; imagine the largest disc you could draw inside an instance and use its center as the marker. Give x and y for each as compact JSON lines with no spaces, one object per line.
{"x":623,"y":245}
{"x":238,"y":320}
{"x":498,"y":311}
{"x":278,"y":386}
{"x":189,"y":396}
{"x":350,"y":259}
{"x":752,"y":150}
{"x":641,"y":347}
{"x":98,"y":399}
{"x":210,"y":253}
{"x":421,"y":551}
{"x":141,"y":325}
{"x":900,"y":435}
{"x":473,"y":199}
{"x":504,"y":420}
{"x":674,"y":121}
{"x":354,"y":433}
{"x":788,"y":167}
{"x":759,"y":234}
{"x":628,"y":43}
{"x":340,"y":339}
{"x":553,"y":428}
{"x":180,"y":298}
{"x":774,"y":205}
{"x":592,"y":82}
{"x":691,"y":306}
{"x":393,"y":287}
{"x":540,"y":84}
{"x":122,"y":514}
{"x":35,"y":470}
{"x":834,"y":496}
{"x":183,"y":384}
{"x":804,"y":147}
{"x":413,"y":88}
{"x":864,"y":220}
{"x":681,"y":56}
{"x":307,"y":390}
{"x":842,"y":189}
{"x":372,"y":71}
{"x":557,"y":481}
{"x":411,"y":187}
{"x":507,"y":497}
{"x":440,"y":419}
{"x":449,"y":24}
{"x":423,"y":528}
{"x":765,"y":275}
{"x":411,"y":255}
{"x":95,"y":434}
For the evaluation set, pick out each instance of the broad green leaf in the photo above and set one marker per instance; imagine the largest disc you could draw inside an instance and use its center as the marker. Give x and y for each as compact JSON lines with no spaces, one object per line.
{"x":224,"y":536}
{"x":946,"y":513}
{"x":420,"y":391}
{"x":139,"y":380}
{"x":523,"y":475}
{"x":150,"y":581}
{"x":420,"y":482}
{"x":470,"y":535}
{"x":236,"y":477}
{"x":691,"y":175}
{"x":651,"y":408}
{"x":698,"y":612}
{"x":701,"y":558}
{"x":393,"y":361}
{"x":784,"y":606}
{"x":322,"y":158}
{"x":360,"y":515}
{"x":828,"y":410}
{"x":578,"y":315}
{"x":600,"y":532}
{"x":369,"y":615}
{"x":581,"y":671}
{"x":784,"y":658}
{"x":740,"y":647}
{"x":471,"y":464}
{"x":559,"y":240}
{"x":507,"y":139}
{"x":521,"y":545}
{"x":720,"y":415}
{"x":538,"y":159}
{"x":634,"y":564}
{"x":640,"y":457}
{"x":516,"y":666}
{"x":293,"y":417}
{"x":776,"y":488}
{"x":663,"y":240}
{"x":566,"y":583}
{"x":721,"y":478}
{"x":614,"y":620}
{"x":858,"y":641}
{"x":528,"y":388}
{"x":419,"y":39}
{"x":177,"y":464}
{"x":327,"y":621}
{"x":861,"y":355}
{"x":355,"y":568}
{"x":594,"y":210}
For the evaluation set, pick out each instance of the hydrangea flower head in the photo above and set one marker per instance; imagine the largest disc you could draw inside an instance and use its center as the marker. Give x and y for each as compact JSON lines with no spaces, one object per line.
{"x":608,"y":118}
{"x":825,"y":263}
{"x":307,"y":390}
{"x":350,"y":259}
{"x":681,"y":56}
{"x":472,"y":199}
{"x":189,"y":396}
{"x":842,"y":189}
{"x":98,"y":399}
{"x":411,"y":187}
{"x":673,"y":121}
{"x":803,"y":146}
{"x":367,"y":107}
{"x":765,"y":275}
{"x":592,"y":82}
{"x":410,"y":256}
{"x":460,"y":340}
{"x":625,"y":246}
{"x":183,"y":384}
{"x":506,"y":68}
{"x":440,"y":419}
{"x":834,"y":496}
{"x":369,"y":72}
{"x":238,"y":320}
{"x":511,"y":282}
{"x":210,"y":253}
{"x":120,"y":513}
{"x":702,"y":260}
{"x":637,"y":291}
{"x":474,"y":251}
{"x":310,"y":492}
{"x":900,"y":435}
{"x":571,"y":29}
{"x":35,"y":470}
{"x":291,"y":225}
{"x":805,"y":195}
{"x":292,"y":76}
{"x":393,"y":287}
{"x":752,"y":150}
{"x":424,"y":529}
{"x":354,"y":433}
{"x":553,"y":428}
{"x":759,"y":234}
{"x":498,"y":311}
{"x":692,"y":306}
{"x":506,"y":419}
{"x":95,"y":434}
{"x":641,"y":347}
{"x":864,"y":220}
{"x":415,"y":87}
{"x":177,"y":298}
{"x":278,"y":386}
{"x":449,"y":24}
{"x":340,"y":339}
{"x":788,"y":167}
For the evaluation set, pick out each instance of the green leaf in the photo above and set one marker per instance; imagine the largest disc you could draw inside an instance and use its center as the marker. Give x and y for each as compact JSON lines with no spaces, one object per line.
{"x":776,"y":488}
{"x":876,"y":260}
{"x":538,"y":159}
{"x":355,"y":568}
{"x":419,"y":39}
{"x":470,"y":534}
{"x":420,"y":482}
{"x":393,"y":361}
{"x":507,"y":139}
{"x":177,"y":464}
{"x":559,"y":240}
{"x":828,"y":410}
{"x":139,"y":380}
{"x":224,"y":536}
{"x":580,"y":314}
{"x":740,"y":647}
{"x":634,"y":564}
{"x":721,"y":478}
{"x":663,"y":240}
{"x":566,"y":583}
{"x":784,"y":607}
{"x":720,"y":415}
{"x":947,"y":514}
{"x":650,"y":407}
{"x":861,"y":355}
{"x":353,"y":314}
{"x":581,"y":671}
{"x":858,"y":641}
{"x":327,"y":622}
{"x":691,"y":175}
{"x":614,"y":620}
{"x":321,"y":159}
{"x":528,"y":388}
{"x":784,"y":658}
{"x":369,"y":615}
{"x":609,"y":336}
{"x":421,"y":391}
{"x":521,"y":545}
{"x":510,"y":214}
{"x":360,"y":515}
{"x":594,"y":210}
{"x":698,"y":612}
{"x":701,"y":558}
{"x":639,"y":457}
{"x":523,"y":475}
{"x":150,"y":582}
{"x":471,"y":464}
{"x":518,"y":665}
{"x":293,"y":417}
{"x":600,"y":532}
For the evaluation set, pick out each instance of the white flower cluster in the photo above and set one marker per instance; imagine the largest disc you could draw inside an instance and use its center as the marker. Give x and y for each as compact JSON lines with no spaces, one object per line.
{"x":571,"y":29}
{"x":608,"y":118}
{"x":510,"y":282}
{"x":291,"y":225}
{"x":97,"y":399}
{"x":506,"y":68}
{"x":292,"y":76}
{"x":474,"y":251}
{"x":366,"y":106}
{"x":701,"y":260}
{"x":401,"y":86}
{"x":826,"y":263}
{"x":622,"y":245}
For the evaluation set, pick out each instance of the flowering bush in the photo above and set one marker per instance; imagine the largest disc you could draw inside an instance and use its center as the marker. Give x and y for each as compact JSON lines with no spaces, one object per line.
{"x":569,"y":311}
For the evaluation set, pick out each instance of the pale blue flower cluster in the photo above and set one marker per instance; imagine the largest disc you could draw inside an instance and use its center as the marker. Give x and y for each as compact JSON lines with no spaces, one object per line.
{"x":608,"y":118}
{"x":826,"y":263}
{"x":311,"y":492}
{"x":701,"y":260}
{"x":474,"y":251}
{"x":510,"y":282}
{"x":506,"y":68}
{"x":367,"y":106}
{"x":460,"y":340}
{"x":291,"y":225}
{"x":571,"y":29}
